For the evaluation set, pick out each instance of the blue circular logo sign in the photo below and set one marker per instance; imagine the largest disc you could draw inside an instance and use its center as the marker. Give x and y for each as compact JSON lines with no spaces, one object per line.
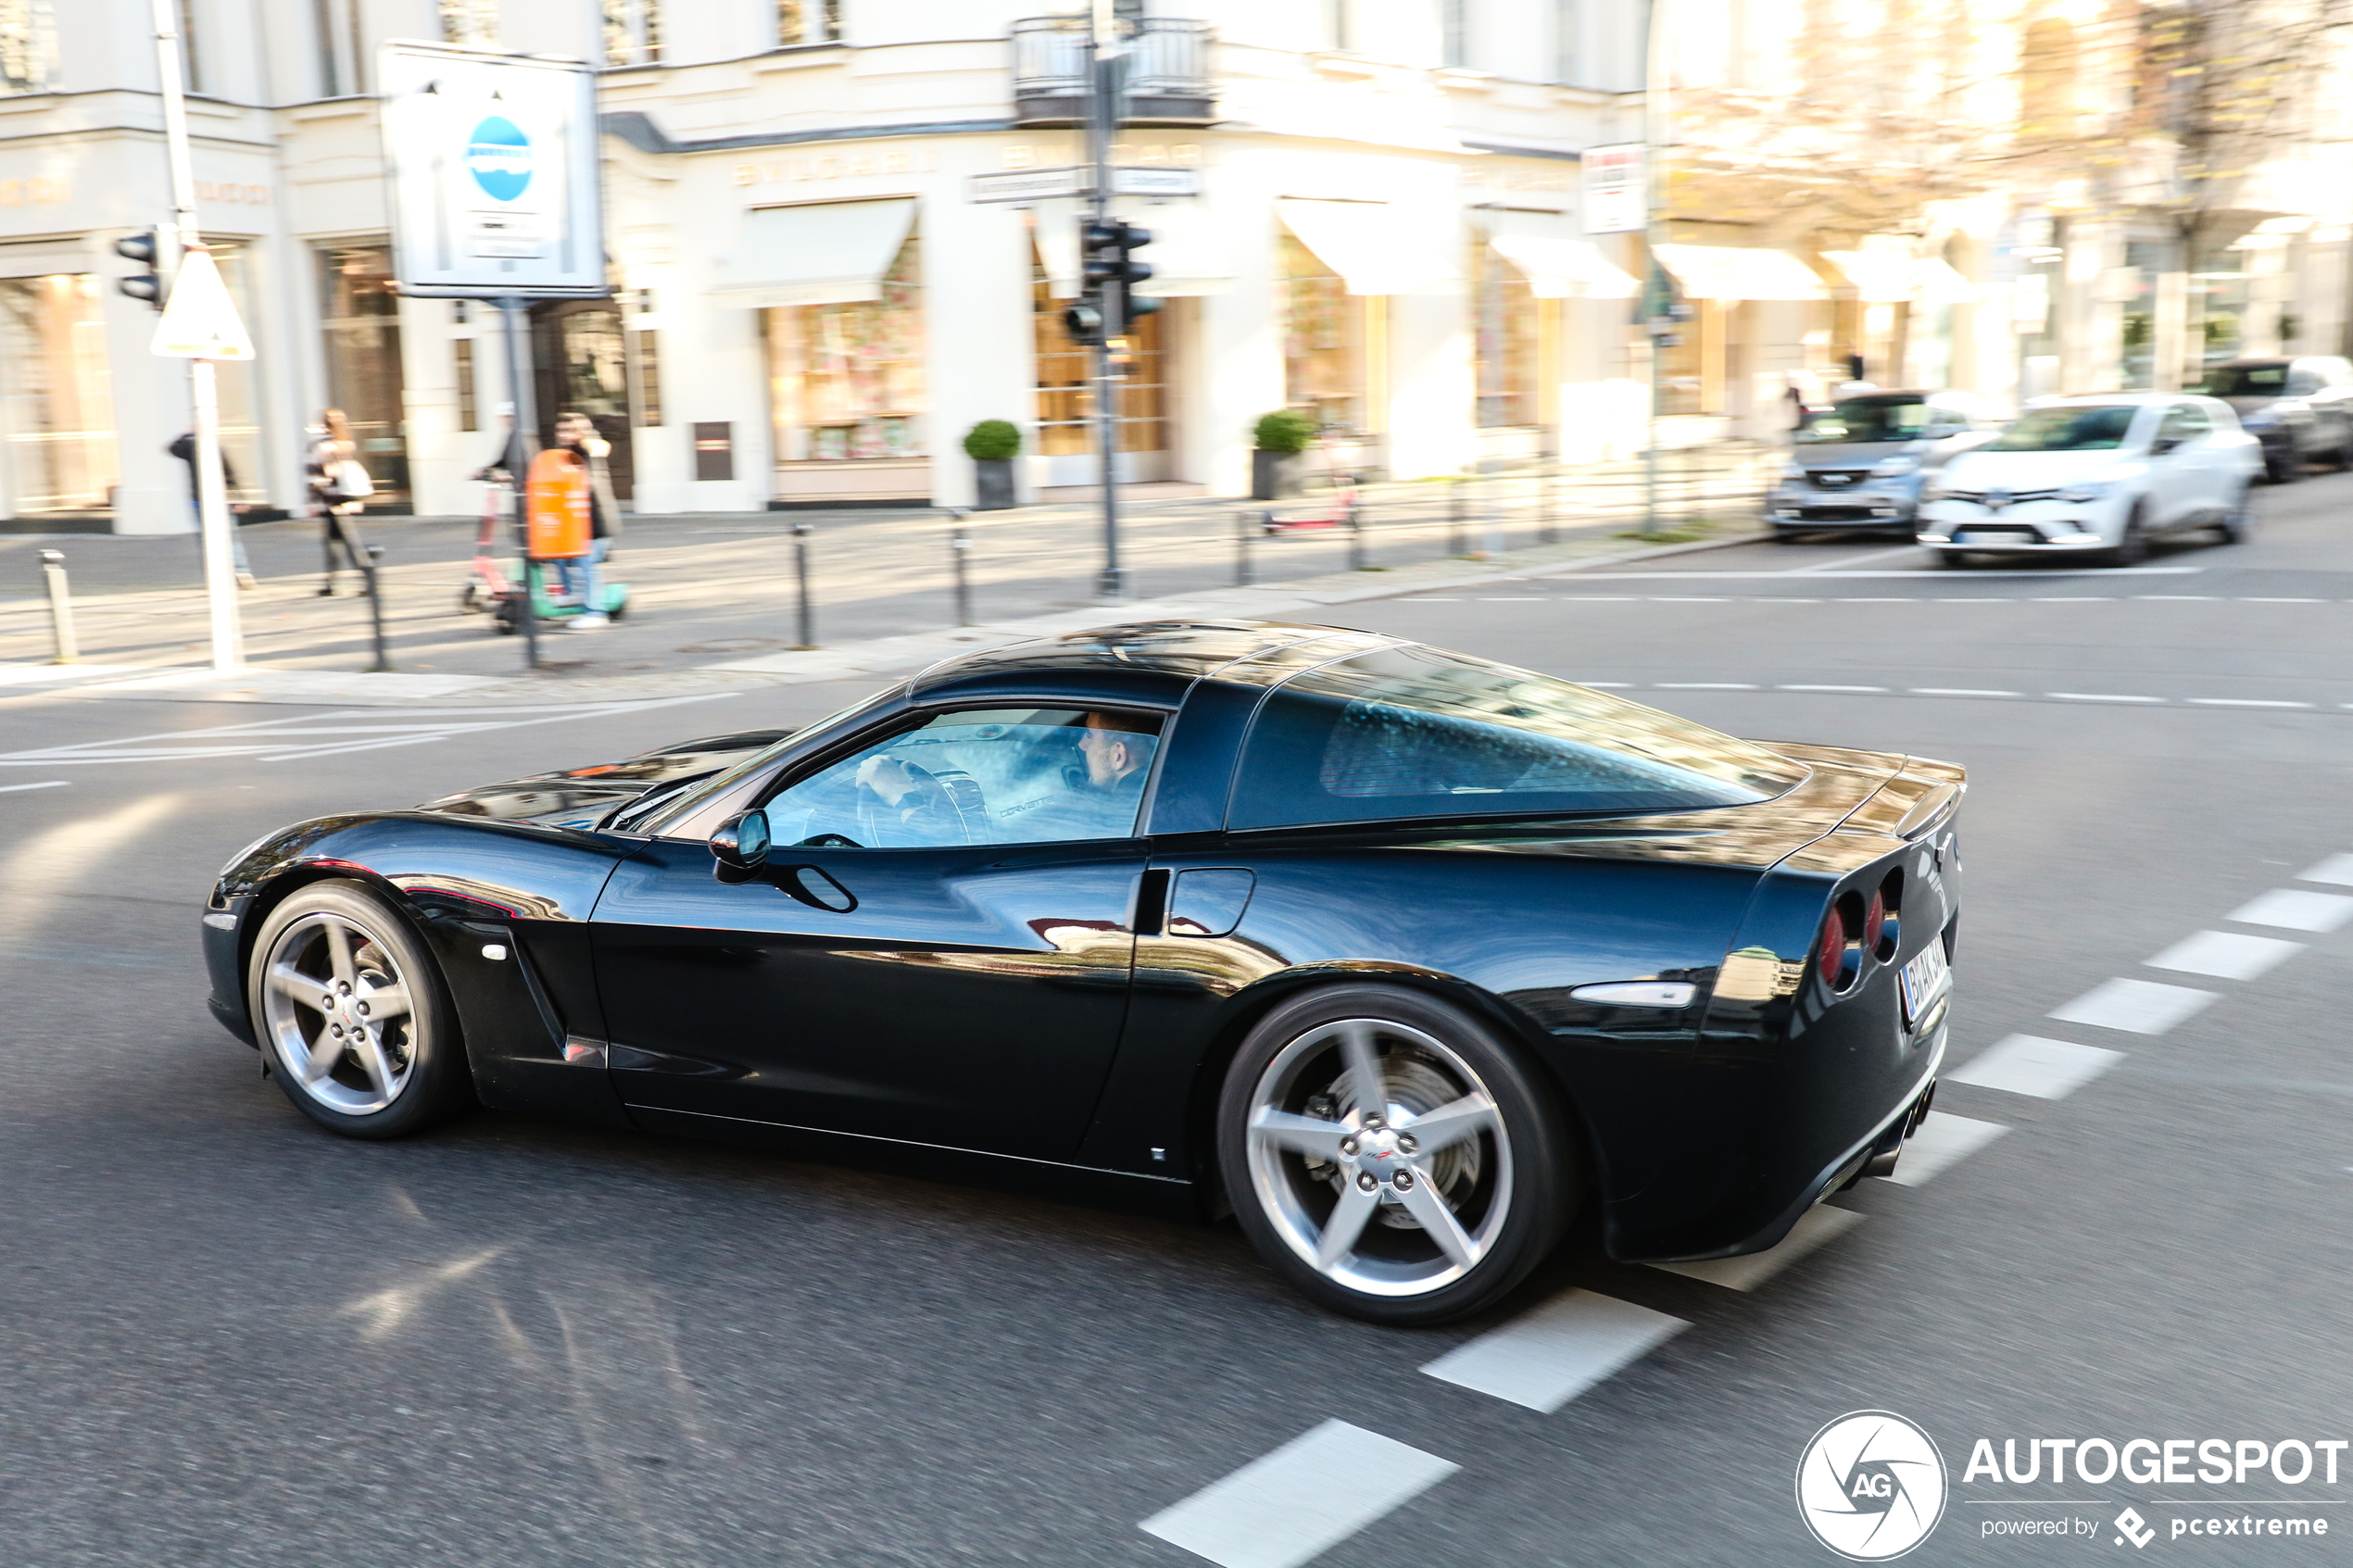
{"x":498,"y":155}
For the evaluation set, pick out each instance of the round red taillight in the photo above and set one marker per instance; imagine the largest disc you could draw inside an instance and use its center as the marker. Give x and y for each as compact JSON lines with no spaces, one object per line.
{"x":1874,"y":922}
{"x":1833,"y":959}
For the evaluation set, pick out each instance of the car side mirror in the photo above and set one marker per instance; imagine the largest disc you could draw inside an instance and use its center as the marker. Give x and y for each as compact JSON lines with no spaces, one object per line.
{"x":2164,"y":445}
{"x":741,"y":842}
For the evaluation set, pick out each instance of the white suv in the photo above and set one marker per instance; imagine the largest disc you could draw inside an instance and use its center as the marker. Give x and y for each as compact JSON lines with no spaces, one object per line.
{"x":2098,"y":477}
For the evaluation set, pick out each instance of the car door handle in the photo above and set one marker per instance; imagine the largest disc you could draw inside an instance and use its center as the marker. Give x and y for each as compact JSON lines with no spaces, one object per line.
{"x":814,"y":887}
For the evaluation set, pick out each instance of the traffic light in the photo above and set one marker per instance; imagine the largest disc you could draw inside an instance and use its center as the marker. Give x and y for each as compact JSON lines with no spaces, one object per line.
{"x":146,"y":249}
{"x":1110,"y":245}
{"x":1083,"y":323}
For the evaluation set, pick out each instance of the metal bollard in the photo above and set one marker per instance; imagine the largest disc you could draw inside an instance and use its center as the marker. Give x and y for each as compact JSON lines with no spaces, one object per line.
{"x":1356,"y":561}
{"x":959,"y":549}
{"x":1454,"y":544}
{"x":53,"y":569}
{"x":376,"y":610}
{"x":800,"y":532}
{"x":1242,"y":524}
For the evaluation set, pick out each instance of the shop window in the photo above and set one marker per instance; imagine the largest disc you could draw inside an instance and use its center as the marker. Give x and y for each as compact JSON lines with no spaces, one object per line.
{"x":1504,"y":343}
{"x":808,"y":21}
{"x":1323,"y":341}
{"x":1065,"y":405}
{"x":28,"y":45}
{"x":361,"y":315}
{"x":646,"y":358}
{"x":847,"y":381}
{"x":632,"y":33}
{"x":58,"y":401}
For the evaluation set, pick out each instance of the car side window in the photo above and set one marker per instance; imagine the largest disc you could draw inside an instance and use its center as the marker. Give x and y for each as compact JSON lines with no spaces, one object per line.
{"x":1001,"y":776}
{"x":2184,"y":421}
{"x":2303,"y":382}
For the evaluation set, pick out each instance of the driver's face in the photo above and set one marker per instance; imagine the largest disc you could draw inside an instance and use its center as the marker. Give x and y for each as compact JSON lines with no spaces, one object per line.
{"x":1108,"y":757}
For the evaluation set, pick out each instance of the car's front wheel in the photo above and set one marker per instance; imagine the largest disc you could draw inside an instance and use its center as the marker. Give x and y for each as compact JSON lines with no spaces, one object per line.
{"x":353,"y":1015}
{"x":1389,"y":1156}
{"x":2238,"y":523}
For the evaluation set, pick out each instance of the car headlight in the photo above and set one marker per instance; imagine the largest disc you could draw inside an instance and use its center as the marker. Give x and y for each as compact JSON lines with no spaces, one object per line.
{"x":2085,"y":490}
{"x":1934,"y":490}
{"x":1888,"y":468}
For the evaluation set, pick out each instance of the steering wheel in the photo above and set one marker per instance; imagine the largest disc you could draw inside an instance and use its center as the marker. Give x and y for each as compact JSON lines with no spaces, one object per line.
{"x":927,"y":805}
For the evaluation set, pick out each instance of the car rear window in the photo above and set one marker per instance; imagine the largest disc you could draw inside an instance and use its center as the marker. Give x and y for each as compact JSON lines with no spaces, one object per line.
{"x":1869,"y":419}
{"x":2246,"y":380}
{"x":1416,"y":731}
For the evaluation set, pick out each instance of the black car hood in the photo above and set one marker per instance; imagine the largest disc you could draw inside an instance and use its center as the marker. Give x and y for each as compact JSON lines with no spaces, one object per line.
{"x":579,"y":798}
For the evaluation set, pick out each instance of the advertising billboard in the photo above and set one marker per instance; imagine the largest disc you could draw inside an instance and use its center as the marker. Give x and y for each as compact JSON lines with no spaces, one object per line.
{"x":492,"y":162}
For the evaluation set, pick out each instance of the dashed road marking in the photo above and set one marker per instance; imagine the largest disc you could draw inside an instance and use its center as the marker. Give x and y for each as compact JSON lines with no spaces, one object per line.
{"x":2028,"y":1064}
{"x":1706,"y":685}
{"x":1942,"y":1141}
{"x":2138,"y":1007}
{"x":2227,"y":955}
{"x":1822,"y":1223}
{"x":2100,"y":696}
{"x":2245,"y":702}
{"x":1959,"y":691}
{"x":1300,"y":1501}
{"x":2336,"y":868}
{"x":1549,"y":1355}
{"x":44,"y":784}
{"x":1799,"y":688}
{"x":2295,"y":909}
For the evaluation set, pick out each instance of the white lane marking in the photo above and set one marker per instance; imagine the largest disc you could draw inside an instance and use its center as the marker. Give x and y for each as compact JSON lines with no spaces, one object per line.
{"x":2226,"y":955}
{"x":1830,"y":568}
{"x":1942,"y":1141}
{"x":2043,"y":574}
{"x":1959,"y":691}
{"x":1819,"y":1224}
{"x":1857,"y":601}
{"x":2250,"y":599}
{"x":2139,"y":1007}
{"x":1705,"y":686}
{"x":2245,"y":702}
{"x":44,"y":784}
{"x":1434,"y":599}
{"x":2028,"y":1064}
{"x":2338,"y":869}
{"x":2073,"y":599}
{"x":1660,"y":599}
{"x":1797,"y":688}
{"x":2180,"y":598}
{"x":2099,"y":696}
{"x":2295,"y":909}
{"x":1513,"y":599}
{"x":1300,"y":1501}
{"x":1608,"y":685}
{"x":1550,"y":1354}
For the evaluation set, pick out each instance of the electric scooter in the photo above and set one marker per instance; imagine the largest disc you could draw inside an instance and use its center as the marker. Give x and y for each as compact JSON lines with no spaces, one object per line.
{"x":496,"y":586}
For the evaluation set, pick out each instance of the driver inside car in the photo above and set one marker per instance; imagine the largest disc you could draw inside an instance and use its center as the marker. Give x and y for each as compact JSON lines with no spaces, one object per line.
{"x":1094,"y":795}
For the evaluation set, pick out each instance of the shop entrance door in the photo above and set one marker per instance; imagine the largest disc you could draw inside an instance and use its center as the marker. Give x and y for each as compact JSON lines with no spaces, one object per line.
{"x":579,"y":362}
{"x":1065,"y":401}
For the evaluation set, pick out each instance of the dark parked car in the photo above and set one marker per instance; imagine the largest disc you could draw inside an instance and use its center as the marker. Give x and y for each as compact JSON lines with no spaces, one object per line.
{"x":2300,"y":408}
{"x":1408,"y":958}
{"x":1859,"y":464}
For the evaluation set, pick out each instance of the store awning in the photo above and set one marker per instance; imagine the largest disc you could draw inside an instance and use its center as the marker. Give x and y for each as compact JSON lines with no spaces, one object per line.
{"x":820,"y":253}
{"x":1374,"y":247}
{"x":1186,"y":256}
{"x":1727,"y":272}
{"x":1556,"y":263}
{"x":1880,"y":277}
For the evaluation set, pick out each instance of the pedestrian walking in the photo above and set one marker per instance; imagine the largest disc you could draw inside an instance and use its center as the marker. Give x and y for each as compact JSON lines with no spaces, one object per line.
{"x":185,"y":450}
{"x":339,"y":488}
{"x":577,"y":434}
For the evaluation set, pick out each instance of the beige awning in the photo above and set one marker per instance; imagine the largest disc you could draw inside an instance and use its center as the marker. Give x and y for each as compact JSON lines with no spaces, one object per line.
{"x":1557,"y":264}
{"x":1731,"y":272}
{"x":822,"y":253}
{"x":1186,"y":255}
{"x":1375,"y":247}
{"x":1880,"y":277}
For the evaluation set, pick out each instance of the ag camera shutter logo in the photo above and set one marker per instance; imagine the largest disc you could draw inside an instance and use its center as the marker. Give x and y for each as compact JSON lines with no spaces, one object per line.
{"x":499,"y":156}
{"x":1870,"y":1485}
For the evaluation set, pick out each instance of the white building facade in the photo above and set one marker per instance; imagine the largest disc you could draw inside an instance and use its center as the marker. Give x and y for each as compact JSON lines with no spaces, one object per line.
{"x":810,"y":305}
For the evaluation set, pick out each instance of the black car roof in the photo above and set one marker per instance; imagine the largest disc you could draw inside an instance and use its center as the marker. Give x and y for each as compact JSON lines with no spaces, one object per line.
{"x":1189,"y":648}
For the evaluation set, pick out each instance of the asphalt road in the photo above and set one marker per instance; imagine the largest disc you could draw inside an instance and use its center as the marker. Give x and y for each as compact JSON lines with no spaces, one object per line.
{"x":233,"y":1339}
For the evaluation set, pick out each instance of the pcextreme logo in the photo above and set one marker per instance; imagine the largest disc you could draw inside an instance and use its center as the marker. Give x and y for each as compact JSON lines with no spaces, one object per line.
{"x":1870,"y":1485}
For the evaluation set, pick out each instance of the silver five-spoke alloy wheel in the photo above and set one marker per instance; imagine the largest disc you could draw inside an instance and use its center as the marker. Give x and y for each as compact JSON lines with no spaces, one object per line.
{"x":337,"y":1013}
{"x":1379,"y":1156}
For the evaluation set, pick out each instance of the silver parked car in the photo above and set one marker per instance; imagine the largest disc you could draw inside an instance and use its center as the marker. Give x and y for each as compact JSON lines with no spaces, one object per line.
{"x":1858,"y":466}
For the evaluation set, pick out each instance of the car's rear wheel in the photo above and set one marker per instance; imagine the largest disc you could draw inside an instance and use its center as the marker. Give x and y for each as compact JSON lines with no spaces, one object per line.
{"x":353,"y":1015}
{"x":1390,"y":1157}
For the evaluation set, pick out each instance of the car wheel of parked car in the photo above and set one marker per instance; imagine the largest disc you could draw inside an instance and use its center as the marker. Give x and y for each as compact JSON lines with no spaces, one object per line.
{"x":2345,"y":453}
{"x":1949,"y":561}
{"x":1390,"y":1157}
{"x":2134,"y":547}
{"x":2238,"y":523}
{"x":354,"y":1021}
{"x":2281,"y":469}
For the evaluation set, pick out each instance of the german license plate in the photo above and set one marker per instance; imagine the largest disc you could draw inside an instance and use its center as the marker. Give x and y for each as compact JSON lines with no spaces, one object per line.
{"x":1926,"y":979}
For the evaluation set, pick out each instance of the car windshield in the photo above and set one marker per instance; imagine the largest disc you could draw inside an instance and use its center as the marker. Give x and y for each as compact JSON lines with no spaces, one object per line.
{"x":1869,"y":419}
{"x":2097,"y":428}
{"x":1416,"y":731}
{"x":2246,"y":380}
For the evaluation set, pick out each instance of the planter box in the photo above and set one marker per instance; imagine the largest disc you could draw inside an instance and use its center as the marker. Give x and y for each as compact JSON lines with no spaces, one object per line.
{"x":1275,"y":476}
{"x":993,"y":487}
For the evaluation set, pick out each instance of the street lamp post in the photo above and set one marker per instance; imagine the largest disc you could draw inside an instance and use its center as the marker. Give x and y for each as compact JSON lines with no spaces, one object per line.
{"x":1103,"y":58}
{"x":1656,"y":319}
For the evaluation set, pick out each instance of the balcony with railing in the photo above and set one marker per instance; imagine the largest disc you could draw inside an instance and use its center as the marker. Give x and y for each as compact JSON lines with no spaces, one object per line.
{"x":1167,"y":79}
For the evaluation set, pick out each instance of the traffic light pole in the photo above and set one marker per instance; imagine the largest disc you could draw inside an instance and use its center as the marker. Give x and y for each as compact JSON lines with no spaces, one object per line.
{"x":1103,"y":120}
{"x":204,"y":400}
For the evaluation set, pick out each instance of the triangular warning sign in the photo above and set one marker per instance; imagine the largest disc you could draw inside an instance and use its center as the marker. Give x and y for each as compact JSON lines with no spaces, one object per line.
{"x":199,"y":320}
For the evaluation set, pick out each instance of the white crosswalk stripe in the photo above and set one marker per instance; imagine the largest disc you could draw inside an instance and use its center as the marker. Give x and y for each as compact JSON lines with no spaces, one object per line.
{"x":2028,"y":1064}
{"x":2227,"y":955}
{"x":1547,"y":1356}
{"x":1944,"y":1140}
{"x":2338,"y":869}
{"x":2140,"y":1007}
{"x":1822,"y":1223}
{"x":1300,"y":1501}
{"x":2296,"y":909}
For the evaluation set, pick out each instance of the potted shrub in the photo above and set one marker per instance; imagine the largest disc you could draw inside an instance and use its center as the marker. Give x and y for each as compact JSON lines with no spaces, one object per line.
{"x":1274,"y":464}
{"x":992,"y":445}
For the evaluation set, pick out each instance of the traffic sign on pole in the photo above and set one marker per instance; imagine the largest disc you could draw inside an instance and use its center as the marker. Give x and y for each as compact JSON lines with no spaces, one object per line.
{"x":200,"y":320}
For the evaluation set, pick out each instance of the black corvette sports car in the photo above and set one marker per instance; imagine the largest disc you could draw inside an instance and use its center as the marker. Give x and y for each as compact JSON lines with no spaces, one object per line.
{"x":1406,"y":956}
